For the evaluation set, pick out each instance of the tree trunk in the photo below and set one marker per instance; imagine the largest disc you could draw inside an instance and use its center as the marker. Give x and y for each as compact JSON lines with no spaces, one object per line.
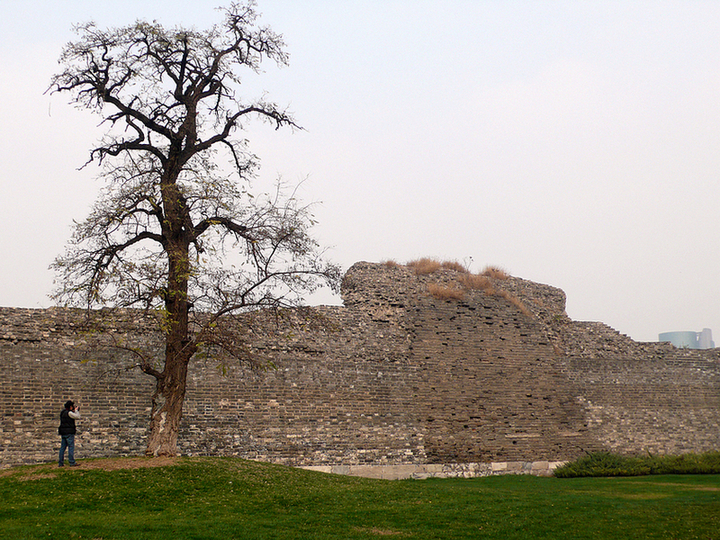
{"x":169,"y":394}
{"x":166,"y":413}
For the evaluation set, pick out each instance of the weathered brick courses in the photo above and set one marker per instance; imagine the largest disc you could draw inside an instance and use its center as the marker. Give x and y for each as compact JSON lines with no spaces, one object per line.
{"x":395,"y":377}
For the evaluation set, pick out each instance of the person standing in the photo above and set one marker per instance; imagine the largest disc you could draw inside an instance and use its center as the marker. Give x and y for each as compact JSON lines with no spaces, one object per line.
{"x":67,"y":433}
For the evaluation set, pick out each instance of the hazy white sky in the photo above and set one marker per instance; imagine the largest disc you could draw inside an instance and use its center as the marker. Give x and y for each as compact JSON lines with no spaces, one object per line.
{"x":572,"y":143}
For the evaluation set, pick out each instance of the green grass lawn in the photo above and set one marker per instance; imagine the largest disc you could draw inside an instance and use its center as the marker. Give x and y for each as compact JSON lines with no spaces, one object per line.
{"x":203,"y":498}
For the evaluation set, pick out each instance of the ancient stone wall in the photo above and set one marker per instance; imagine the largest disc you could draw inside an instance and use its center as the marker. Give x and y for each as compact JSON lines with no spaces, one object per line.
{"x":644,"y":397}
{"x":397,"y":376}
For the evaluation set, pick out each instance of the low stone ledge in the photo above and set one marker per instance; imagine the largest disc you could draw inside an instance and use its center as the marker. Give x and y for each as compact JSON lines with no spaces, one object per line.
{"x":445,"y":470}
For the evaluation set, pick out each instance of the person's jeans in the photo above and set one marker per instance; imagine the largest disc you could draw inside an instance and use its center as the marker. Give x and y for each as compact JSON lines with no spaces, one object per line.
{"x":68,"y":441}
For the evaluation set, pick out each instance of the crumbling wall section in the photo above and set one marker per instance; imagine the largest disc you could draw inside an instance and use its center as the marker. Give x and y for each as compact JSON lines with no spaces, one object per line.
{"x":398,"y":376}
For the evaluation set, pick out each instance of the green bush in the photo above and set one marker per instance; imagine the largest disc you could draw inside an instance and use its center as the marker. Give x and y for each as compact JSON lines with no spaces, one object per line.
{"x":607,"y":464}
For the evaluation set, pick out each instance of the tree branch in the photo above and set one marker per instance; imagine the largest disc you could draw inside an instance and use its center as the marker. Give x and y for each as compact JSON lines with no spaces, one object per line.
{"x":229,"y":224}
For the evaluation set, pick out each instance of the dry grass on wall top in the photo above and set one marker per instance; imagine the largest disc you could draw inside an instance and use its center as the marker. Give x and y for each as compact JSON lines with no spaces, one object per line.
{"x":456,"y":266}
{"x":476,"y":282}
{"x":428,"y":265}
{"x":425,"y":266}
{"x":495,"y":272}
{"x":467,"y":281}
{"x":442,"y":292}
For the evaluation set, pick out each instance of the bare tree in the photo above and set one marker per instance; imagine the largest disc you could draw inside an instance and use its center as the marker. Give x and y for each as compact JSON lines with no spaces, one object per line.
{"x":171,"y":233}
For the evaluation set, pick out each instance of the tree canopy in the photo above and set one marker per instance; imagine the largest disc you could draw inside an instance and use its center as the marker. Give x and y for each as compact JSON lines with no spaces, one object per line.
{"x":174,"y":230}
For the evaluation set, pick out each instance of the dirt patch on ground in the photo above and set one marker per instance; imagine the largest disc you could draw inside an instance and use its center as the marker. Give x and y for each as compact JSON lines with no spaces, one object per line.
{"x":51,"y":470}
{"x":692,"y":487}
{"x":379,"y":532}
{"x":114,"y":464}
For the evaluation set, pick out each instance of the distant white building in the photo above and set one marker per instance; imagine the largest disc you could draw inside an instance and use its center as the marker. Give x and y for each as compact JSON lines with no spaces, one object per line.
{"x":689,"y":340}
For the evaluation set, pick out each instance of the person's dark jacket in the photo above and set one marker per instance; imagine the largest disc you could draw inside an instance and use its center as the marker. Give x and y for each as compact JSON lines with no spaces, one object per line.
{"x":67,"y":423}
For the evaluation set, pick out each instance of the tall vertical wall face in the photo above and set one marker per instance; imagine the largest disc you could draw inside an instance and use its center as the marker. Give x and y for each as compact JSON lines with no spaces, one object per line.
{"x":396,"y":376}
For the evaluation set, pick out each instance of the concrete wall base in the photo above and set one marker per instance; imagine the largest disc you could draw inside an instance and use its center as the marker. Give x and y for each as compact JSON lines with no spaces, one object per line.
{"x":444,"y":470}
